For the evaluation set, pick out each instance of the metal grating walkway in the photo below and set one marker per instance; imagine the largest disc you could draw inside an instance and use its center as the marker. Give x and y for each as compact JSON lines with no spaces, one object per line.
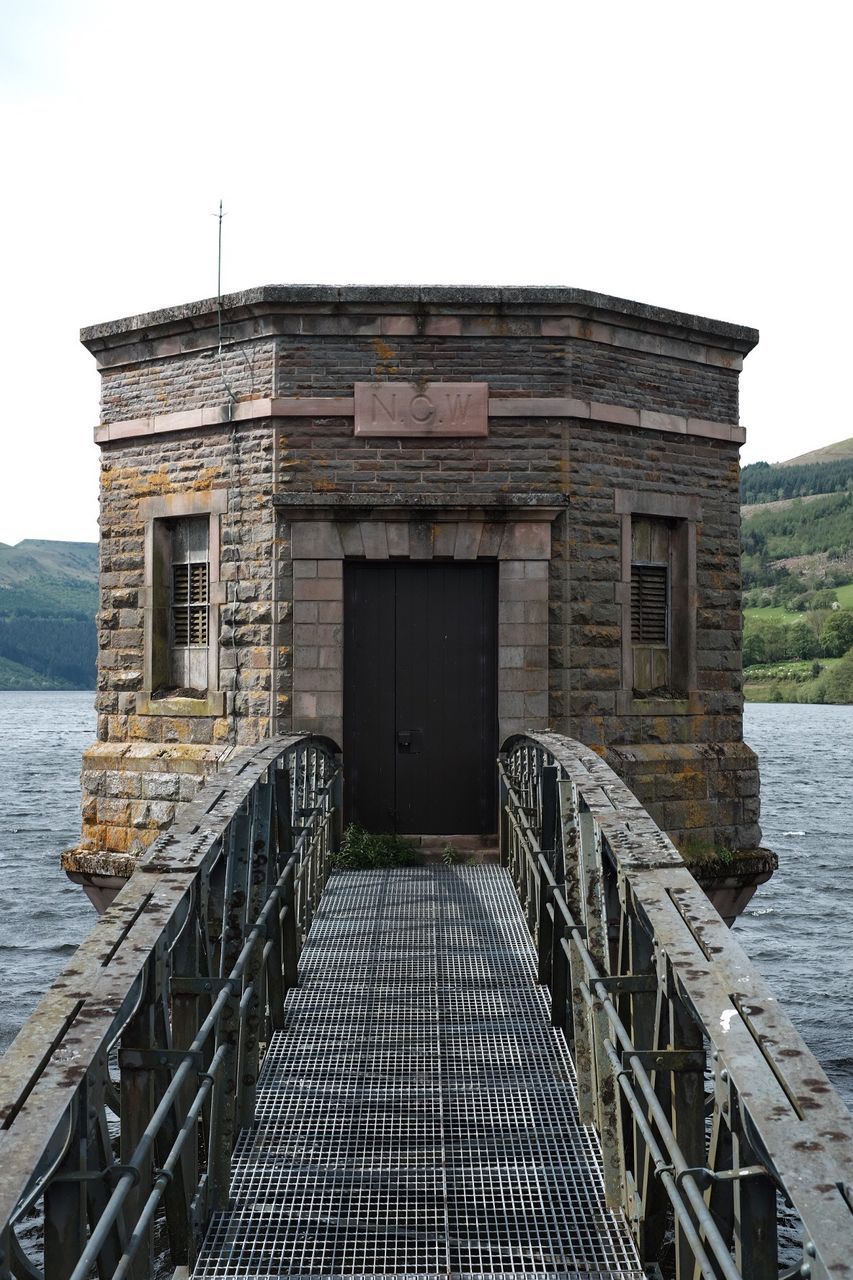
{"x":417,"y":1117}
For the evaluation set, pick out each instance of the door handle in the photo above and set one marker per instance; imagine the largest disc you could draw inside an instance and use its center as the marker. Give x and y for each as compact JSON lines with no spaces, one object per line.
{"x":409,"y":742}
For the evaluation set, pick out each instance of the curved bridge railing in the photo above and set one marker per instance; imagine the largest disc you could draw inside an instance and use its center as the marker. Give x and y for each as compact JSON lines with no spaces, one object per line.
{"x":154,"y":1032}
{"x":658,"y":1001}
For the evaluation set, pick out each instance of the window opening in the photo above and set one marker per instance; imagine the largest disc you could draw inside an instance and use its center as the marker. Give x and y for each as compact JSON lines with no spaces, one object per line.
{"x":650,"y":603}
{"x":189,"y":605}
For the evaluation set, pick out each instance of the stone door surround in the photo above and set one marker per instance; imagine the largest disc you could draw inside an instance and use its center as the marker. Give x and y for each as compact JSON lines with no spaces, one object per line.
{"x":327,"y":531}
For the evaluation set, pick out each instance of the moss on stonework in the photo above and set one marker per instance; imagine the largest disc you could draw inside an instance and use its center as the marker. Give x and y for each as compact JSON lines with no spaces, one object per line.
{"x":700,"y":853}
{"x":707,"y":861}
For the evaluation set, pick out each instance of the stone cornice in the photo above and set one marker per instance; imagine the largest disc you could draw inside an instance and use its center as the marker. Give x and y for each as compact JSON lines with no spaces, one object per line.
{"x":503,"y":305}
{"x":138,"y":347}
{"x":342,"y":406}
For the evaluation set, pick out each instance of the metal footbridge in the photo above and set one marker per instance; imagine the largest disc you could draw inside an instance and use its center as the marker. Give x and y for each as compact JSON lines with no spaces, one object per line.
{"x":417,"y":1114}
{"x":565,"y":1066}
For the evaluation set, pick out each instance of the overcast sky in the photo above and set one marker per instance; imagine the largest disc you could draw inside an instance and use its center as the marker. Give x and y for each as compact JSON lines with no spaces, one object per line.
{"x":694,"y":156}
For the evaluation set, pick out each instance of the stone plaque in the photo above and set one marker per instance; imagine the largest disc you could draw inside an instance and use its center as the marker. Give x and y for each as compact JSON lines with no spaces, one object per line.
{"x":421,"y":409}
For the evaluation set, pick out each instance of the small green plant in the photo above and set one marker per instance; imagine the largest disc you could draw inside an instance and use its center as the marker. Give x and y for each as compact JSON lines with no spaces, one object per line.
{"x":448,"y":855}
{"x":363,"y":850}
{"x":701,"y":854}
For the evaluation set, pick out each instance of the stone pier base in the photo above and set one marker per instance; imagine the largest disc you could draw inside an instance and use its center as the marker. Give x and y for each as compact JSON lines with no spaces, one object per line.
{"x":131,"y":793}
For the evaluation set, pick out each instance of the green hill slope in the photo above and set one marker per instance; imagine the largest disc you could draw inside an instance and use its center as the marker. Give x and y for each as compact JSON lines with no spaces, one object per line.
{"x":797,"y":566}
{"x":803,"y":527}
{"x":48,"y":601}
{"x":829,"y":453}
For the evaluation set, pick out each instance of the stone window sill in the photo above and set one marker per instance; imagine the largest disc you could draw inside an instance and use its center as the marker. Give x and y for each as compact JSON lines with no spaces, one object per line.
{"x":628,"y":704}
{"x":212,"y":705}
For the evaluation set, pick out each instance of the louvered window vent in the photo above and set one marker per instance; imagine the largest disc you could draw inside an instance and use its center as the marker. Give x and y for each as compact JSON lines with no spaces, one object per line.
{"x":649,"y":600}
{"x":189,"y":605}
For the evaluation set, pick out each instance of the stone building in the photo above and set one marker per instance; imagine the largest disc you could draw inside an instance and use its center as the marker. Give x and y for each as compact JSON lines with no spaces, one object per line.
{"x":416,"y":521}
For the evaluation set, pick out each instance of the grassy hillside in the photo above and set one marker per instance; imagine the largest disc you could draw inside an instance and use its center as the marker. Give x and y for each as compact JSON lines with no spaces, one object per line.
{"x":797,"y":565}
{"x":48,"y":601}
{"x":829,"y":453}
{"x":802,"y":528}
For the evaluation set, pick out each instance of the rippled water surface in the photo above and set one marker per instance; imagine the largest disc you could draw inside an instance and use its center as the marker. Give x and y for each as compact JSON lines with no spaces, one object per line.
{"x":798,"y":929}
{"x":44,"y":916}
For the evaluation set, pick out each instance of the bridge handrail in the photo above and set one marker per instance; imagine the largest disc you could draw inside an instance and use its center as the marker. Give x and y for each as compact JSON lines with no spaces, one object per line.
{"x":187,"y":972}
{"x":644,"y":977}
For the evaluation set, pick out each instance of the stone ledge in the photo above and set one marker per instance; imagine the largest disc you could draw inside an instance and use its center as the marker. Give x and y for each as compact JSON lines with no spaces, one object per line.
{"x":504,"y":303}
{"x":627,"y":704}
{"x":153,"y":757}
{"x":261,"y":408}
{"x":730,"y":884}
{"x":97,"y":862}
{"x":212,"y":705}
{"x":722,"y":755}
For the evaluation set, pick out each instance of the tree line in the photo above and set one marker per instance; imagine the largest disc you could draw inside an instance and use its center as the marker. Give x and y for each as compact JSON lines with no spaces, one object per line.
{"x":768,"y":482}
{"x":817,"y":635}
{"x":56,"y":647}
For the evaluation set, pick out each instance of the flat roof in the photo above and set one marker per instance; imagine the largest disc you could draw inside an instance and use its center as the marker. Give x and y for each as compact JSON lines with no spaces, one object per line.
{"x":445,"y":298}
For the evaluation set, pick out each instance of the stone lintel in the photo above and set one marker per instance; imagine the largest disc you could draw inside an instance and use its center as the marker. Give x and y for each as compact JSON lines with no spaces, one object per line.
{"x":344,"y":406}
{"x":435,"y":507}
{"x":655,"y":502}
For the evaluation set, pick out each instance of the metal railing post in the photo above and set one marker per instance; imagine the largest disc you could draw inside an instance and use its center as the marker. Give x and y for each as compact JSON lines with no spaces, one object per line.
{"x":65,"y":1200}
{"x":503,"y":822}
{"x":687,"y":1111}
{"x":545,"y":937}
{"x":608,"y":1108}
{"x":225,"y":1089}
{"x":290,"y":932}
{"x":185,"y":1004}
{"x":137,"y":1108}
{"x":252,"y":1008}
{"x":583,"y":1045}
{"x":548,"y":800}
{"x":338,"y":803}
{"x":754,"y":1209}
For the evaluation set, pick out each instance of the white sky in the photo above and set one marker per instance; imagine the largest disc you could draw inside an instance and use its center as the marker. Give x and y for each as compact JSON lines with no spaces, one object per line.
{"x":694,"y":156}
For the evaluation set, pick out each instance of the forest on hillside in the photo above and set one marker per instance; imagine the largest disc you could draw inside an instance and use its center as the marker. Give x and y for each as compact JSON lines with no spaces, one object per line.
{"x":768,"y":482}
{"x":797,"y":570}
{"x":48,"y":601}
{"x":801,"y":529}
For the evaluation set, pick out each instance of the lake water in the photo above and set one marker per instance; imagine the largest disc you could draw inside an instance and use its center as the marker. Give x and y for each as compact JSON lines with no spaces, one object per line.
{"x":43,"y":915}
{"x":798,"y":928}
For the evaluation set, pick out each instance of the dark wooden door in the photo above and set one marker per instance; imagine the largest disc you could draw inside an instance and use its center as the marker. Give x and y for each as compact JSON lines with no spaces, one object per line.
{"x":420,"y":697}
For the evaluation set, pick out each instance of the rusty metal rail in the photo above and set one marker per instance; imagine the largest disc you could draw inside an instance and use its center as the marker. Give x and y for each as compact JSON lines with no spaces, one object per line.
{"x":123,"y":1094}
{"x":655,"y":998}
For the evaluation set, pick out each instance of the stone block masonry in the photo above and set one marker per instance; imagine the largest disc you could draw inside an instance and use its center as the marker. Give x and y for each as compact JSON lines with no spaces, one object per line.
{"x":597,"y":408}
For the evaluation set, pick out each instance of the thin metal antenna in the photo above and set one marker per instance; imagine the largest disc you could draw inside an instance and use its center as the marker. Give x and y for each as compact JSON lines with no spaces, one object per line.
{"x":220,"y":216}
{"x":235,"y":453}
